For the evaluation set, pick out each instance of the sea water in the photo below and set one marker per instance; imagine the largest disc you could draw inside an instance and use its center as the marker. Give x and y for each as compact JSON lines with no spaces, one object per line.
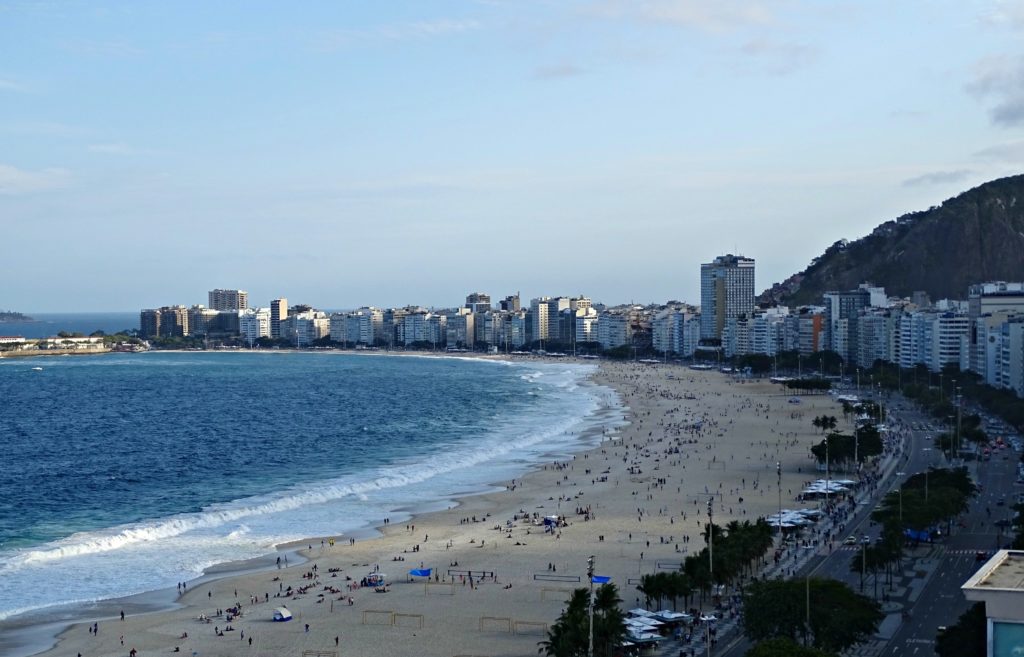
{"x":125,"y":473}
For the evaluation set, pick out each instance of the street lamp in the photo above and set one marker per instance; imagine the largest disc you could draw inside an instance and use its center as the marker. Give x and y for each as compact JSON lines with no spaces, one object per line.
{"x":863,"y":564}
{"x":778,"y":472}
{"x":711,"y":543}
{"x":828,"y":479}
{"x":959,"y":422}
{"x":856,"y":450}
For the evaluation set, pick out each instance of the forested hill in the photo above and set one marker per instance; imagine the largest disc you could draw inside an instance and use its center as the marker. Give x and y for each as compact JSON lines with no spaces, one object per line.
{"x":11,"y":316}
{"x":977,"y":236}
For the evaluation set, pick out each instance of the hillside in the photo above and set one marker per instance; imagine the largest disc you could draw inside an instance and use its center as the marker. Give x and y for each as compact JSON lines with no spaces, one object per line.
{"x":974,"y":237}
{"x":11,"y":316}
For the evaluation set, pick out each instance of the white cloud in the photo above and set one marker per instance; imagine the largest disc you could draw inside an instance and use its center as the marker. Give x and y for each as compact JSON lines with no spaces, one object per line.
{"x":557,"y":71}
{"x":11,"y":85}
{"x":94,"y":48}
{"x":1005,"y":13}
{"x":779,"y":58}
{"x":1001,"y":79}
{"x":335,"y":39}
{"x":1011,"y":151}
{"x":938,"y":178}
{"x":15,"y":181}
{"x":115,"y":148}
{"x":706,"y":15}
{"x":42,"y":128}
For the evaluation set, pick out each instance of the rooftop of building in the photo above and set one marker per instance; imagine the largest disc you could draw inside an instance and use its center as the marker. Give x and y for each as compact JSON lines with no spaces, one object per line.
{"x":1004,"y":571}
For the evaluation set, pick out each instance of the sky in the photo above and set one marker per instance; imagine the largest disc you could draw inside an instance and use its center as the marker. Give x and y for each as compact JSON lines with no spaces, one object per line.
{"x":350,"y":153}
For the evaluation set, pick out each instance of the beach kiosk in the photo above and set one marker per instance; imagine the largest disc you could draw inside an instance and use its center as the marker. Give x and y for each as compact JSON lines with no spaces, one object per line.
{"x":282,"y":615}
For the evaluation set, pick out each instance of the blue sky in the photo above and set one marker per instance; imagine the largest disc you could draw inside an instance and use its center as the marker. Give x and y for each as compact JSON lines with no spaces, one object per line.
{"x":387,"y":153}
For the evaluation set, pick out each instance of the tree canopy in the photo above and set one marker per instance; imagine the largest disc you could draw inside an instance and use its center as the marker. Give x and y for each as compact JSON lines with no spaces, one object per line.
{"x":839,"y":617}
{"x":968,"y":638}
{"x":785,"y":647}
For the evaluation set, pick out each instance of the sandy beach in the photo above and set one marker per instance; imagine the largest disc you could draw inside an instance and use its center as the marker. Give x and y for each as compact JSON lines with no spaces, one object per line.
{"x":637,"y":500}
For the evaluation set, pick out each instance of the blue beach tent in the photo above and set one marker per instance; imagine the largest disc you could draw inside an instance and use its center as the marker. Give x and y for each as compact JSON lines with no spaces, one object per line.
{"x":600,"y":579}
{"x":421,"y":572}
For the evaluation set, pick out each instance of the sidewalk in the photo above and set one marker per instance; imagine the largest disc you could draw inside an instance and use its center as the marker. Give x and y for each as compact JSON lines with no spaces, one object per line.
{"x":794,"y":559}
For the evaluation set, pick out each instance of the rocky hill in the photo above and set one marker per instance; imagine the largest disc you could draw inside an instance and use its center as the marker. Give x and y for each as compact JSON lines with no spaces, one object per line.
{"x":974,"y":237}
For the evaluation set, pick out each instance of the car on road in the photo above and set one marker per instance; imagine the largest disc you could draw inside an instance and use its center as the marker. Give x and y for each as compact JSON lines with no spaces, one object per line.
{"x":850,"y":540}
{"x":981,"y":555}
{"x":865,"y":539}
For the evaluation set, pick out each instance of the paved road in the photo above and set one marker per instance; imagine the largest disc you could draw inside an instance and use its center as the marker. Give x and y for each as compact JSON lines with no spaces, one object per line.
{"x":928,"y":585}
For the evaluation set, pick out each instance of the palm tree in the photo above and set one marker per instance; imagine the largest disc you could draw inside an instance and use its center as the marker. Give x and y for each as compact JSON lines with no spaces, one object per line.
{"x":653,"y":587}
{"x":569,"y":635}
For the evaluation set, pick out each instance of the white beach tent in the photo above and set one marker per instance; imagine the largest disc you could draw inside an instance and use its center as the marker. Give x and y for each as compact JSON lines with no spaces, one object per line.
{"x":281,"y":615}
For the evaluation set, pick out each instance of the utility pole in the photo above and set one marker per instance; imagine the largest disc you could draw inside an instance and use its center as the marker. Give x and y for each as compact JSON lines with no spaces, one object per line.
{"x":590,"y":576}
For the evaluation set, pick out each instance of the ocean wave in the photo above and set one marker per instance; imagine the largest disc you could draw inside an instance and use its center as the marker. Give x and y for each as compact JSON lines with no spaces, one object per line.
{"x":220,"y":515}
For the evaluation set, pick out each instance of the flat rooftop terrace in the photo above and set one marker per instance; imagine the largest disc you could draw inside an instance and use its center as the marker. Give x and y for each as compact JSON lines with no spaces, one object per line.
{"x":1004,"y":571}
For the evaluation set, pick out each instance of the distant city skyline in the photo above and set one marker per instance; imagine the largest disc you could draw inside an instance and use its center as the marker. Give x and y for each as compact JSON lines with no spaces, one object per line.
{"x":344,"y":155}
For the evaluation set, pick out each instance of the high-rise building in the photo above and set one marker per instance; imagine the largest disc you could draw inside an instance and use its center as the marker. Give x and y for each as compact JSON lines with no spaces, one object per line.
{"x":253,"y":324}
{"x":539,"y":318}
{"x":726,"y":292}
{"x":511,"y":303}
{"x":996,"y":299}
{"x":478,"y":302}
{"x":203,"y":321}
{"x":149,"y":323}
{"x":278,"y":312}
{"x":842,"y":310}
{"x":174,"y":321}
{"x":232,"y":300}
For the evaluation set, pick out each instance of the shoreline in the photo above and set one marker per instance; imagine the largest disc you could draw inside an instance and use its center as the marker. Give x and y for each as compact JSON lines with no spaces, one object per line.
{"x":38,"y":632}
{"x":663,"y":398}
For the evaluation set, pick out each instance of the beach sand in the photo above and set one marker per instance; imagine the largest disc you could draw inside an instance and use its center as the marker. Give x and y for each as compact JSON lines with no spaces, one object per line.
{"x":635,"y":523}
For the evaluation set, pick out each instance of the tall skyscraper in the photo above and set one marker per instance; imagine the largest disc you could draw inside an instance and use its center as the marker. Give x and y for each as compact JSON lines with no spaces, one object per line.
{"x":726,"y":291}
{"x":228,"y":300}
{"x":278,"y":312}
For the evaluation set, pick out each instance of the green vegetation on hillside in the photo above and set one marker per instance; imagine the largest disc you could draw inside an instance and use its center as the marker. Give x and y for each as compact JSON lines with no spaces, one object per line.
{"x":976,"y":236}
{"x":11,"y":316}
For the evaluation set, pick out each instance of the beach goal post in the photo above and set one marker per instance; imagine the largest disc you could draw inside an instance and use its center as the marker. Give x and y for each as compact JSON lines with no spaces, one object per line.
{"x":378,"y":617}
{"x":319,"y":653}
{"x":444,"y":588}
{"x":555,"y":592}
{"x":504,"y":623}
{"x":408,"y":620}
{"x":529,"y":627}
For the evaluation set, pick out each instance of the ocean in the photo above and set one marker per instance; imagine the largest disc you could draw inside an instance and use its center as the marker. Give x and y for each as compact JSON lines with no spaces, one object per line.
{"x":126,"y":473}
{"x":47,"y":325}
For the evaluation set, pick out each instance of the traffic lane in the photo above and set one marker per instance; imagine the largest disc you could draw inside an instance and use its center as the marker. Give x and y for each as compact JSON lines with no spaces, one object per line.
{"x":940,"y":604}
